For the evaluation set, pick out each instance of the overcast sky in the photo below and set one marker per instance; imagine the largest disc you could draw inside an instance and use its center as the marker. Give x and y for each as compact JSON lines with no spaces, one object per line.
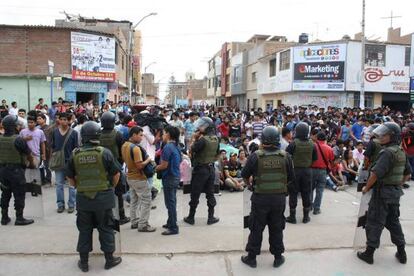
{"x":185,"y":34}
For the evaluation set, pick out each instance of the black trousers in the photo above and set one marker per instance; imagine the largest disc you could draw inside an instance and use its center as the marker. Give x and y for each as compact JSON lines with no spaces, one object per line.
{"x":302,"y":185}
{"x":202,"y":181}
{"x":14,"y":183}
{"x":101,"y":220}
{"x":383,"y":212}
{"x":267,"y":210}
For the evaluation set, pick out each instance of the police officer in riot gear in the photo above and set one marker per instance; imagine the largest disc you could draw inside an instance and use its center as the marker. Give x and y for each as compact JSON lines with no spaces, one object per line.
{"x":387,"y":175}
{"x":373,"y":149}
{"x":13,"y":153}
{"x":272,"y":170}
{"x":203,"y":152}
{"x":94,"y":172}
{"x":113,"y":140}
{"x":303,"y":153}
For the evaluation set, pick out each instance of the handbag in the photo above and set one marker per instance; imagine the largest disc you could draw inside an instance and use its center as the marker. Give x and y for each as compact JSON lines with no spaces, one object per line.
{"x":57,"y":160}
{"x":149,"y":169}
{"x":328,"y":166}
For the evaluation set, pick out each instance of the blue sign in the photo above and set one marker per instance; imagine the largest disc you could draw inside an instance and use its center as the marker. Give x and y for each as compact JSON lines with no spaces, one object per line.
{"x":85,"y":86}
{"x":412,"y":84}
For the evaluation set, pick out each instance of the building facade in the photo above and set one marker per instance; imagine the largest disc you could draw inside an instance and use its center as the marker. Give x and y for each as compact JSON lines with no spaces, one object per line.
{"x":79,"y":74}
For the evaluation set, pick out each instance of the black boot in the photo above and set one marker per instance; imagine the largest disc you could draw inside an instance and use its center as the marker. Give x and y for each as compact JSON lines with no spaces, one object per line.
{"x":249,"y":260}
{"x":211,"y":219}
{"x":122,"y":218}
{"x":83,"y":262}
{"x":401,"y":255}
{"x":20,"y":220}
{"x":306,"y":217}
{"x":5,"y":216}
{"x":292,"y":217}
{"x":279,"y":260}
{"x":368,"y":255}
{"x":190,"y":218}
{"x":111,"y":261}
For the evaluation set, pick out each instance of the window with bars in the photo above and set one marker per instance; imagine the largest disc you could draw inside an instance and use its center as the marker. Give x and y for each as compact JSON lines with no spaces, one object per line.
{"x":284,"y":60}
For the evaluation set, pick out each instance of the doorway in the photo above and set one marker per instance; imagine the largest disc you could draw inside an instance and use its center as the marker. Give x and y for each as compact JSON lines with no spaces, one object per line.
{"x":86,"y":97}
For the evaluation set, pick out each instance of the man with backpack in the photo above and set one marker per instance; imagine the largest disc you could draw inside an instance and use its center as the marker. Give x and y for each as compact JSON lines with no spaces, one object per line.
{"x":140,"y":191}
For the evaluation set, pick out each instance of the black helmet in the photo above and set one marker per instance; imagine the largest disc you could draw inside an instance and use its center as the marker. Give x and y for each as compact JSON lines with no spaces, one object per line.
{"x":205,"y":125}
{"x":90,"y":132}
{"x":271,"y":136}
{"x":302,"y":131}
{"x":108,"y":120}
{"x":10,"y":123}
{"x":388,"y":128}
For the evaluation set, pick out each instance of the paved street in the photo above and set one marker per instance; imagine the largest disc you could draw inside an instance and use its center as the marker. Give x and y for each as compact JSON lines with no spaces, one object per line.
{"x":323,"y":247}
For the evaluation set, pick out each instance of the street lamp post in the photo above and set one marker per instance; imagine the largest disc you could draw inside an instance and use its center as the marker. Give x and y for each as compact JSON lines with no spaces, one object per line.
{"x":362,"y":92}
{"x":131,"y":44}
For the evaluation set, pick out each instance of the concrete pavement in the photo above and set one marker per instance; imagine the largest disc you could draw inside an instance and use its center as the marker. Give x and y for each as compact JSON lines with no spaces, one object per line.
{"x":322,"y":247}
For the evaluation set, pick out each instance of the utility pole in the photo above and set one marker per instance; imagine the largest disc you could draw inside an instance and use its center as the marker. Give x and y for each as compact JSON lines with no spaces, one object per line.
{"x":362,"y":92}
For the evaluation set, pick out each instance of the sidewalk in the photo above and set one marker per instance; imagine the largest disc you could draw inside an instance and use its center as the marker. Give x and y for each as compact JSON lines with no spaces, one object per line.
{"x":322,"y":247}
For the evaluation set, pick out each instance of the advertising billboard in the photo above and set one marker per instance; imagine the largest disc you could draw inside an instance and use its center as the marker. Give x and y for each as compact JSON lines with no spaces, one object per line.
{"x":319,"y":67}
{"x":93,"y":57}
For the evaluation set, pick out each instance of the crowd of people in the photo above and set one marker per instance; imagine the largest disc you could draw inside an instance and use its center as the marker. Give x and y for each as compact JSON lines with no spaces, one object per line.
{"x":161,"y":142}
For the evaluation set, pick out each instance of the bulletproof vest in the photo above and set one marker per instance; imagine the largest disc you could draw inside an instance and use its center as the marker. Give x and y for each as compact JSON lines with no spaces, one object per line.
{"x":271,"y":175}
{"x":90,"y":171}
{"x":396,"y":173}
{"x":8,"y":152}
{"x":209,"y":152}
{"x":374,"y":157}
{"x":302,"y":156}
{"x":108,"y":140}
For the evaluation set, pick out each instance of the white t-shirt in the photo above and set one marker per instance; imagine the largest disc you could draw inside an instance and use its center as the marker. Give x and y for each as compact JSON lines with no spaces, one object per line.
{"x":13,"y":111}
{"x":148,"y":142}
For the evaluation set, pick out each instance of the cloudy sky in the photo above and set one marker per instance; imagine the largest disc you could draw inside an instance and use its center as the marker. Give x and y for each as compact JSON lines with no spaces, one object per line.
{"x":185,"y":34}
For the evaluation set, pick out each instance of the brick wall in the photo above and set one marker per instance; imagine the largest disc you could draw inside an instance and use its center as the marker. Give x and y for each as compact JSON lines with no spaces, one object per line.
{"x":27,"y":50}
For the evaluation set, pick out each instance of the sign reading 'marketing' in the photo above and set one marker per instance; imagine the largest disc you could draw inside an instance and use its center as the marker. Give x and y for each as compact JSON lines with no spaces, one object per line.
{"x":319,"y":67}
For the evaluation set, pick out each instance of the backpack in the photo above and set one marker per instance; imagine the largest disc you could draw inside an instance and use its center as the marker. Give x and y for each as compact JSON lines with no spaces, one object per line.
{"x":149,"y":169}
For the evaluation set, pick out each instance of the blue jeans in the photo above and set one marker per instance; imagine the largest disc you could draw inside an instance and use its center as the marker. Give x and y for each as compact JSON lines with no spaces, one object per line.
{"x":319,"y":182}
{"x":331,"y":184}
{"x":411,"y":160}
{"x":60,"y":192}
{"x":170,"y":185}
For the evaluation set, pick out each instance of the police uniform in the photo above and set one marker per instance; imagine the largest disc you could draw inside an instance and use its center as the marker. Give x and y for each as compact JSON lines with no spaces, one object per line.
{"x":93,"y":168}
{"x":13,"y":150}
{"x":303,"y":152}
{"x":113,"y":141}
{"x":372,"y":152}
{"x":204,"y":152}
{"x":390,"y":169}
{"x":272,"y":170}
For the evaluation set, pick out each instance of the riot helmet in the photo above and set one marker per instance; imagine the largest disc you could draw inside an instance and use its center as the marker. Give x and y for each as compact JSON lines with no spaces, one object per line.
{"x":90,"y":132}
{"x":10,"y":123}
{"x":108,"y":120}
{"x":270,"y":136}
{"x":302,"y":131}
{"x":388,"y":128}
{"x":205,"y":125}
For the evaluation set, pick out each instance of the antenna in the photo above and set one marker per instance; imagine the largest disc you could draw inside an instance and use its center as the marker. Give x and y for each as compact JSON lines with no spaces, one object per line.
{"x":391,"y":17}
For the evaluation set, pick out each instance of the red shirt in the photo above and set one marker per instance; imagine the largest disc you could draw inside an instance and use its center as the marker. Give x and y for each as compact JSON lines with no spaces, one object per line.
{"x":224,"y":129}
{"x":327,"y":153}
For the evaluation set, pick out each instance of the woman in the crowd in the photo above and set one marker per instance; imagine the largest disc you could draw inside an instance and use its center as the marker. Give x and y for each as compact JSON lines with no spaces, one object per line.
{"x":350,"y":165}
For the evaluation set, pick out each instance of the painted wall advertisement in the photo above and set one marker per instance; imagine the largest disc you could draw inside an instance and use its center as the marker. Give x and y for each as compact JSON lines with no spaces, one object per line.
{"x":387,"y":79}
{"x":93,"y":57}
{"x":319,"y":68}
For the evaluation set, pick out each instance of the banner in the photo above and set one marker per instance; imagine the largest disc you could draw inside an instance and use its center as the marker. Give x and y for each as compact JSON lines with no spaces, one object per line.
{"x":319,"y":67}
{"x":93,"y":57}
{"x":387,"y":79}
